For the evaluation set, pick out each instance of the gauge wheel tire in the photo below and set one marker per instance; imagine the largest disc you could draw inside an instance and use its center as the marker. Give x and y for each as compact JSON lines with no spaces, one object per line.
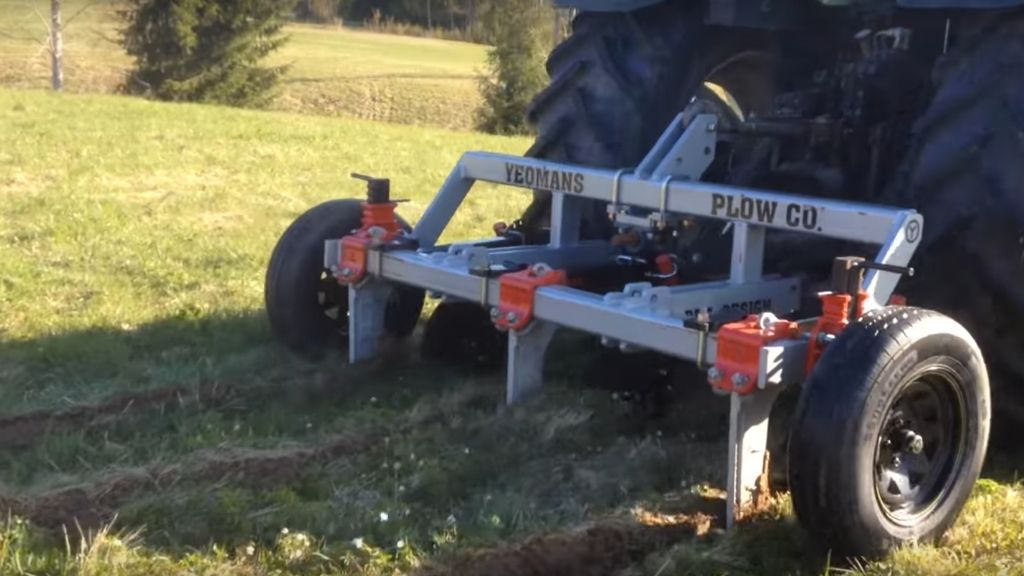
{"x":890,"y":432}
{"x":463,"y":334}
{"x":307,"y":308}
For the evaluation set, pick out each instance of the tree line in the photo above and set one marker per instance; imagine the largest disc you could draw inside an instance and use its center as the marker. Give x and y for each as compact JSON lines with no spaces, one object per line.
{"x":468,"y":16}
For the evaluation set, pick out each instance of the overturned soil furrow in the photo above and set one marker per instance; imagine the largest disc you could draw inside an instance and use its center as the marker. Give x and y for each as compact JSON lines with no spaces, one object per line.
{"x":602,"y":548}
{"x":94,"y":503}
{"x":24,"y":430}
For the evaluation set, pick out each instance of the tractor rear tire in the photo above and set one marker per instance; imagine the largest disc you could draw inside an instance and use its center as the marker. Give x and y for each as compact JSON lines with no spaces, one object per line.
{"x":306,"y":306}
{"x":964,"y":173}
{"x":890,"y":432}
{"x":616,"y":84}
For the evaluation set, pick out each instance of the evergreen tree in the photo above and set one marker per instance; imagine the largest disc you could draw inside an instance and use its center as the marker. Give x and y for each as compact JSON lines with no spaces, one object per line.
{"x":522,"y":38}
{"x":205,"y":50}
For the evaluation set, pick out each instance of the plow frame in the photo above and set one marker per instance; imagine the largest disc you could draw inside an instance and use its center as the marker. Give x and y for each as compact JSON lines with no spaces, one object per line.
{"x":670,"y":320}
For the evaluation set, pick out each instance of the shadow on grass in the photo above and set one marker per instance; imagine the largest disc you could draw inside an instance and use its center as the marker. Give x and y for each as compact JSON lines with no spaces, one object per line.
{"x":84,"y":367}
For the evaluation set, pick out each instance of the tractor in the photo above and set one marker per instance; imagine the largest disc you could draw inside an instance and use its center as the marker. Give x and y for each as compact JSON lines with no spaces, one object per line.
{"x":712,"y":181}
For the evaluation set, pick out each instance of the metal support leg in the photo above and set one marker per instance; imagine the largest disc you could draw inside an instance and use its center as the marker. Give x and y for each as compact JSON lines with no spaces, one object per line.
{"x":566,"y":213}
{"x":526,"y":359}
{"x":747,"y":253}
{"x":367,"y":304}
{"x":748,"y":440}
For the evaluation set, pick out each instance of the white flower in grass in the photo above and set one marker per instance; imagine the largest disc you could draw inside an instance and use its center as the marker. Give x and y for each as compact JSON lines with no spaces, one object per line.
{"x":384,"y":516}
{"x":400,"y":544}
{"x":284,"y":530}
{"x":358,"y":543}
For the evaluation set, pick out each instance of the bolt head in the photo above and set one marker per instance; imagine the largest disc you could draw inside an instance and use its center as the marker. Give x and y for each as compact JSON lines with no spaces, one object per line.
{"x":346,"y":272}
{"x":495,"y":313}
{"x":739,"y":379}
{"x":512,"y":317}
{"x":916,"y":445}
{"x":540,"y":269}
{"x":714,"y":374}
{"x":896,"y":462}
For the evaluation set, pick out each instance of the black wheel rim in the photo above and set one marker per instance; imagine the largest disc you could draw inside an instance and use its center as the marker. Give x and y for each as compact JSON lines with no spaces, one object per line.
{"x":333,"y":300}
{"x":921,"y":445}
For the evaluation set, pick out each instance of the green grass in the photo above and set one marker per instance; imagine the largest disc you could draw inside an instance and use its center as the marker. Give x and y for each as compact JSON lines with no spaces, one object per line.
{"x":125,"y":216}
{"x":133,"y":240}
{"x":334,"y":71}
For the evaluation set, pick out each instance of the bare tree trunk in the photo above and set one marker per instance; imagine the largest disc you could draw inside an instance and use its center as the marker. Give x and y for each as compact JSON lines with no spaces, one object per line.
{"x":56,"y":45}
{"x":430,"y":18}
{"x":557,"y":36}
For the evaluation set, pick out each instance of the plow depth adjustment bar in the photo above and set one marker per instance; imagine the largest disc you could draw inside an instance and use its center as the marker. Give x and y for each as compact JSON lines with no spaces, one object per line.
{"x":527,"y":288}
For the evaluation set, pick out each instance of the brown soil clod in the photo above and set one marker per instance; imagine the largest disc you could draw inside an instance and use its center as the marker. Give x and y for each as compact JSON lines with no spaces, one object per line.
{"x":602,"y":548}
{"x":762,"y":499}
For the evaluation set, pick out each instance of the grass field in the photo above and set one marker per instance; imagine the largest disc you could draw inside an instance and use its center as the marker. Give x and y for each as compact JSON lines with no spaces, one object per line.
{"x":334,"y":71}
{"x":138,"y":381}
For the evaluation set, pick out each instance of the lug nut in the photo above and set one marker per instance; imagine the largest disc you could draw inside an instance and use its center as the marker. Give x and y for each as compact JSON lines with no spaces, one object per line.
{"x":913,"y":442}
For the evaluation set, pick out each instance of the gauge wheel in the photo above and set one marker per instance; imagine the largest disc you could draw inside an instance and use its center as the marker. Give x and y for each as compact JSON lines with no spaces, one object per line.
{"x":890,"y":432}
{"x":306,"y":306}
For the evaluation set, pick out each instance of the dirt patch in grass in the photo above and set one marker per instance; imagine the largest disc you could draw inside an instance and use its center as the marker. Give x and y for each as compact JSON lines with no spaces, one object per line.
{"x":94,"y":503}
{"x":604,"y":547}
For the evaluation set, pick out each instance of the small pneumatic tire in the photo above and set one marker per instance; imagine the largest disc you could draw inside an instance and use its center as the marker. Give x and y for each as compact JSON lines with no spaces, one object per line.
{"x":306,"y":306}
{"x":890,"y":432}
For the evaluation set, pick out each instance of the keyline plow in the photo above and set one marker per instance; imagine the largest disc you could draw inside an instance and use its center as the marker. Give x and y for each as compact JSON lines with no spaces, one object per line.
{"x":893,"y":417}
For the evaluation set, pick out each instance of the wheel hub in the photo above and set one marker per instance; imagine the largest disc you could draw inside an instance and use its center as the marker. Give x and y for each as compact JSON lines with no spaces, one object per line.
{"x":918,"y":448}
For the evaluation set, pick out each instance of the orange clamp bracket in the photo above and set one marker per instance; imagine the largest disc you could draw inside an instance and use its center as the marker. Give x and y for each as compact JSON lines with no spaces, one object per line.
{"x":835,"y":317}
{"x":354,"y":251}
{"x":738,"y":361}
{"x":379,"y":226}
{"x":517,"y":293}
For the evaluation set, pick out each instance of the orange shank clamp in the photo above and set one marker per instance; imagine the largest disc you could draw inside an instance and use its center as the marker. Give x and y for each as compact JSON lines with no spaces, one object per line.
{"x":354,"y":250}
{"x":379,"y":225}
{"x":355,"y":247}
{"x":835,"y":317}
{"x":517,"y":292}
{"x":738,"y":361}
